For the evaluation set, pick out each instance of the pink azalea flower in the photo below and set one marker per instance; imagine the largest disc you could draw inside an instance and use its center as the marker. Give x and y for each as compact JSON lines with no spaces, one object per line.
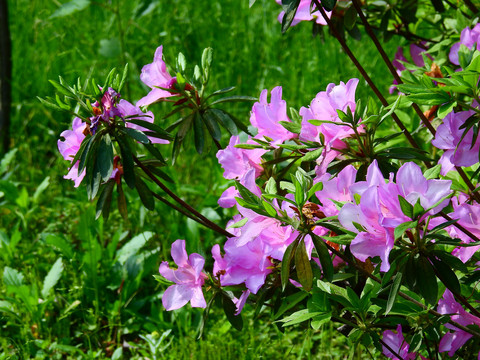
{"x":324,"y":107}
{"x":70,"y":146}
{"x":469,"y":217}
{"x":303,"y":13}
{"x":452,"y":341}
{"x":379,"y":211}
{"x":237,"y":162}
{"x":447,"y":137}
{"x":156,"y":75}
{"x":265,"y":117}
{"x":189,"y":279}
{"x":134,"y":112}
{"x":398,"y":344}
{"x":336,"y":188}
{"x":468,"y":37}
{"x":240,"y":302}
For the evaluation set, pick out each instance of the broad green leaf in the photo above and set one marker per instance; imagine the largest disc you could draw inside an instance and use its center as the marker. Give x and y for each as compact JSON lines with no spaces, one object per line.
{"x":392,"y":296}
{"x":230,"y":309}
{"x":212,"y":125}
{"x":105,"y":200}
{"x":137,"y":135}
{"x":52,"y":277}
{"x":61,"y":244}
{"x":287,"y":259}
{"x":400,"y":229}
{"x":289,"y":302}
{"x":328,"y":4}
{"x":446,"y":275}
{"x":127,"y":161}
{"x":426,"y":280}
{"x":159,"y":132}
{"x":198,"y":133}
{"x":290,"y":8}
{"x":406,"y":207}
{"x":324,"y":256}
{"x":312,"y":155}
{"x":12,"y":277}
{"x":303,"y":267}
{"x":225,"y":120}
{"x":145,"y":194}
{"x":105,"y":157}
{"x":132,"y":247}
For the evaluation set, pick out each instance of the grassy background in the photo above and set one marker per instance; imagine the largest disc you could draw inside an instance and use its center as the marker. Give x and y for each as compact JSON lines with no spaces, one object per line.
{"x":102,"y":302}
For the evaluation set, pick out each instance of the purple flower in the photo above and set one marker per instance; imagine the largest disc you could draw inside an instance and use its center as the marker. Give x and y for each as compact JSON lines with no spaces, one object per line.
{"x":265,"y":117}
{"x":398,"y":344}
{"x":324,"y":107}
{"x":134,"y":112}
{"x":304,"y":14}
{"x":458,"y":151}
{"x":452,"y":341}
{"x":468,"y":37}
{"x":188,"y":277}
{"x":156,"y":75}
{"x":237,"y":162}
{"x":70,"y":146}
{"x":379,"y":211}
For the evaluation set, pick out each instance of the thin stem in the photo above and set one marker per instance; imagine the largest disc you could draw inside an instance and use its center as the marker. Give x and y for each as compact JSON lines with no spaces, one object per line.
{"x":390,"y":349}
{"x":401,"y":294}
{"x":364,"y":74}
{"x":459,"y":227}
{"x":392,"y":69}
{"x":211,"y":224}
{"x":389,"y":63}
{"x":471,"y":6}
{"x":179,"y":209}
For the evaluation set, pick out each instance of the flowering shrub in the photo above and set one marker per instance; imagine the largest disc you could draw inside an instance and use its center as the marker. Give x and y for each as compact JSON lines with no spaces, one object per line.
{"x":335,"y":217}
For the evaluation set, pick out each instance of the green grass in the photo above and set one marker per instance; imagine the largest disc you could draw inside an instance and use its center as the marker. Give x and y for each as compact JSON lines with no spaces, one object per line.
{"x":100,"y":302}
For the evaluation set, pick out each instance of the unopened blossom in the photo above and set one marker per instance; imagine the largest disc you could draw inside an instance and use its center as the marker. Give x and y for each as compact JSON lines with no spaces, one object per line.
{"x":304,"y":14}
{"x":397,"y":343}
{"x":129,"y":111}
{"x":452,"y":341}
{"x":237,"y":162}
{"x":266,"y":117}
{"x":156,"y":75}
{"x":189,"y":278}
{"x":468,"y":37}
{"x":458,"y":151}
{"x":70,"y":146}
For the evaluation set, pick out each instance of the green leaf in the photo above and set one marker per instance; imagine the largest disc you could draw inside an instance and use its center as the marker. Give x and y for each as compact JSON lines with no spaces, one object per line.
{"x":40,"y":189}
{"x":70,"y":8}
{"x":52,"y":277}
{"x":271,"y":186}
{"x":406,"y":207}
{"x":350,"y":18}
{"x":392,"y":296}
{"x":105,"y":200}
{"x":59,"y":243}
{"x":324,"y":257}
{"x":212,"y":125}
{"x":198,"y":133}
{"x":301,"y":316}
{"x":286,"y":260}
{"x":225,"y":120}
{"x":230,"y":309}
{"x":312,"y":155}
{"x":316,"y":187}
{"x":328,"y":4}
{"x":236,"y":98}
{"x":426,"y":280}
{"x":132,"y":247}
{"x":122,"y":202}
{"x":303,"y":267}
{"x":159,"y":132}
{"x":433,"y":172}
{"x":238,"y":224}
{"x":145,"y":194}
{"x":105,"y":157}
{"x":291,"y":126}
{"x":127,"y":161}
{"x":400,"y":229}
{"x":137,"y":135}
{"x":12,"y":277}
{"x":290,"y":8}
{"x":445,"y":109}
{"x":446,"y":275}
{"x":251,"y":2}
{"x":289,"y":302}
{"x":431,"y":98}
